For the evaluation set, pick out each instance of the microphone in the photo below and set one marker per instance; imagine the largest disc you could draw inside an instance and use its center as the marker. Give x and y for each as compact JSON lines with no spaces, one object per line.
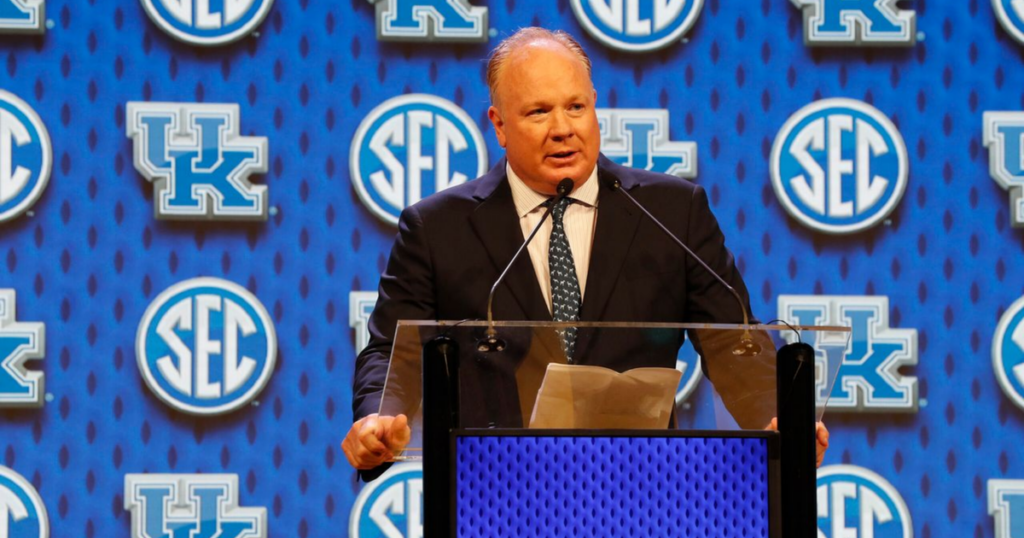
{"x":491,"y":342}
{"x":747,"y":347}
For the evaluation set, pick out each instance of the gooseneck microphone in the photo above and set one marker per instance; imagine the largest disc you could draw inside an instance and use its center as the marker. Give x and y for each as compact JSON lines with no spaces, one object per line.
{"x":747,"y":346}
{"x":491,"y":342}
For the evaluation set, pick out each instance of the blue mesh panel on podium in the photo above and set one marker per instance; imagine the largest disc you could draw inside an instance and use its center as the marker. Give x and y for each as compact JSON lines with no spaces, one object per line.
{"x":611,"y":486}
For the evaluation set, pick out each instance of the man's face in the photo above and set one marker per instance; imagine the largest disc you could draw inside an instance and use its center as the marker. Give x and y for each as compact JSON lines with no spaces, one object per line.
{"x":544,"y":116}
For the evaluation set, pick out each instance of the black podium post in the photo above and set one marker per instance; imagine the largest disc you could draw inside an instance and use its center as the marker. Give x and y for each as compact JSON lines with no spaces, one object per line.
{"x":795,"y":375}
{"x":440,"y":405}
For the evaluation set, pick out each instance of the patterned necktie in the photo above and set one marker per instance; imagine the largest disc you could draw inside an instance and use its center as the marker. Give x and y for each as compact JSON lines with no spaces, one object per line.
{"x":565,"y":287}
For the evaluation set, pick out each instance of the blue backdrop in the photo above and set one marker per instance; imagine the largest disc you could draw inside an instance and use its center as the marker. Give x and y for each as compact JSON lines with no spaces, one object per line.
{"x":90,"y":257}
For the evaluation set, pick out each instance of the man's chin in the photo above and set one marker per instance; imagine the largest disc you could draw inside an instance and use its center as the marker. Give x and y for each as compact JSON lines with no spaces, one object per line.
{"x":578,"y":173}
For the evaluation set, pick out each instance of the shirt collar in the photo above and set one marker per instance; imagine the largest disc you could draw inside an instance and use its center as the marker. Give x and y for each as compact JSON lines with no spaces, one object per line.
{"x":526,"y":199}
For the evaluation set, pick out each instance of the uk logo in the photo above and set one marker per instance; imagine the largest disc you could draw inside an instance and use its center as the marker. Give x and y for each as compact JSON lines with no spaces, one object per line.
{"x":26,"y":156}
{"x":639,"y":138}
{"x":390,"y":506}
{"x":19,"y":342}
{"x":360,"y":307}
{"x":637,"y":25}
{"x":206,"y":346}
{"x":430,"y":20}
{"x":839,"y":166}
{"x":22,"y":512}
{"x":1008,"y":352}
{"x":869,"y":377}
{"x":1011,"y":15}
{"x":190,"y":505}
{"x":854,"y":501}
{"x":410,"y":147}
{"x":1006,"y":506}
{"x":207,"y":22}
{"x":22,"y":17}
{"x":1004,"y":138}
{"x":857,"y":23}
{"x":197,"y":161}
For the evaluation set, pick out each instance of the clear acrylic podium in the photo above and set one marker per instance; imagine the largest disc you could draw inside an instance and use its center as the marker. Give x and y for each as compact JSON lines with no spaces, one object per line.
{"x":498,"y":462}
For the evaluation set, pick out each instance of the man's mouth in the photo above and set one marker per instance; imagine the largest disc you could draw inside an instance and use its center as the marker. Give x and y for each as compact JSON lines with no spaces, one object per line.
{"x":563,"y":154}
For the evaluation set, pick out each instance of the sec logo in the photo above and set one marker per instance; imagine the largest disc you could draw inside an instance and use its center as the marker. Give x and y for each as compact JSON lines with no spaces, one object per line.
{"x":1011,"y":15}
{"x":687,"y":362}
{"x":854,"y":501}
{"x":206,"y":346}
{"x":390,"y":506}
{"x":839,"y":166}
{"x":26,"y":156}
{"x":1008,"y":352}
{"x":207,"y":22}
{"x":22,"y":513}
{"x":410,"y":147}
{"x":637,"y":25}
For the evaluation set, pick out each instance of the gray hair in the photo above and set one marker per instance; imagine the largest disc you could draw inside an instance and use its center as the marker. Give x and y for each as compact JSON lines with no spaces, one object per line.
{"x":524,"y":36}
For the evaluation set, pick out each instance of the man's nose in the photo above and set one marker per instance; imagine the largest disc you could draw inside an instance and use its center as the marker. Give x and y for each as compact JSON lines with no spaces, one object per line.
{"x":561,"y":125}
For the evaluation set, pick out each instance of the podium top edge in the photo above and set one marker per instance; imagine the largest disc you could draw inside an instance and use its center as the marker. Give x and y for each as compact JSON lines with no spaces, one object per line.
{"x":621,"y":325}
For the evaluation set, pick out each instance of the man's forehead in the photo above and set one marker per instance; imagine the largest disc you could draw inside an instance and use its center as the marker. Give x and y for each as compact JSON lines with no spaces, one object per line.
{"x":540,"y":71}
{"x":538,"y":50}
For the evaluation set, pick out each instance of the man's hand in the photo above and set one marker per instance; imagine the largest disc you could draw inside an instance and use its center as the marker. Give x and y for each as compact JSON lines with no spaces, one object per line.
{"x":821,"y":441}
{"x":374,"y":439}
{"x":820,"y":438}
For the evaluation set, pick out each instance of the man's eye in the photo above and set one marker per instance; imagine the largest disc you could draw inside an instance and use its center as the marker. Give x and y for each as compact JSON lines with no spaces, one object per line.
{"x":536,"y":111}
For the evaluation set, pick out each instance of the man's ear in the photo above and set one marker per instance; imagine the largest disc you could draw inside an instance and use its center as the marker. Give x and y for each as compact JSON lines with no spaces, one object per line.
{"x":498,"y":123}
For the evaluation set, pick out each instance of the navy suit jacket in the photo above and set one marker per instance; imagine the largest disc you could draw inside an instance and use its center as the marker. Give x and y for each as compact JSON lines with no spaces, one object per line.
{"x":452,"y":246}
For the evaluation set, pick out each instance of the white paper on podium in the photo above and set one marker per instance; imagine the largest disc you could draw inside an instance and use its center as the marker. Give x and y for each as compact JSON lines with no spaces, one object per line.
{"x":593,"y":397}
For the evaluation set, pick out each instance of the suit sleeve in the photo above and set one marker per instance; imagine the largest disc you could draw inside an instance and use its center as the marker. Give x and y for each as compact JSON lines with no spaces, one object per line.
{"x":406,"y":292}
{"x":746,"y":384}
{"x":707,"y":300}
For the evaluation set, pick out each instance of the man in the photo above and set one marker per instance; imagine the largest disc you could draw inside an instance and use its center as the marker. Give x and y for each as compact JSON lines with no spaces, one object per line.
{"x":452,"y":246}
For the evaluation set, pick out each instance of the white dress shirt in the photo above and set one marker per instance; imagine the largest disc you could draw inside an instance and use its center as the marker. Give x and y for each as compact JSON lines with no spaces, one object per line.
{"x":579,"y":221}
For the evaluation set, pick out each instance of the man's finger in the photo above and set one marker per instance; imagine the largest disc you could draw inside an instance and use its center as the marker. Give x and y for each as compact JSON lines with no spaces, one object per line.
{"x":398,"y":434}
{"x":822,"y":434}
{"x":346,"y":449}
{"x":368,"y":459}
{"x":356,"y":454}
{"x":821,"y":440}
{"x":369,"y":436}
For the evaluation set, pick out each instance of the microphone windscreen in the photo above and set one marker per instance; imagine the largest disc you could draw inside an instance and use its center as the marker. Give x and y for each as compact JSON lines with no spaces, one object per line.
{"x":609,"y":181}
{"x":565,"y":186}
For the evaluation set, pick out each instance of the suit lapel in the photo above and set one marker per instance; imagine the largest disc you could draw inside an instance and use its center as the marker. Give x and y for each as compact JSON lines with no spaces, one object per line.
{"x":617,"y":222}
{"x":496,"y":222}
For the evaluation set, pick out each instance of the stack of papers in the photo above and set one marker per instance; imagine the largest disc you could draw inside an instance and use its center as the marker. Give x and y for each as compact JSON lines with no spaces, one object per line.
{"x":593,"y":397}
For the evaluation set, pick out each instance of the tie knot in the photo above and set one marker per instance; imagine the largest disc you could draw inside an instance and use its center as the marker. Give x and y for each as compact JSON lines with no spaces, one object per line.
{"x":559,"y":208}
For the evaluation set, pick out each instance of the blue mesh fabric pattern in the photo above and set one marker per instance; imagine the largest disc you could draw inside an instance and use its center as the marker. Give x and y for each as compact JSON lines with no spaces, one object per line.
{"x":89,"y":258}
{"x":611,"y":486}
